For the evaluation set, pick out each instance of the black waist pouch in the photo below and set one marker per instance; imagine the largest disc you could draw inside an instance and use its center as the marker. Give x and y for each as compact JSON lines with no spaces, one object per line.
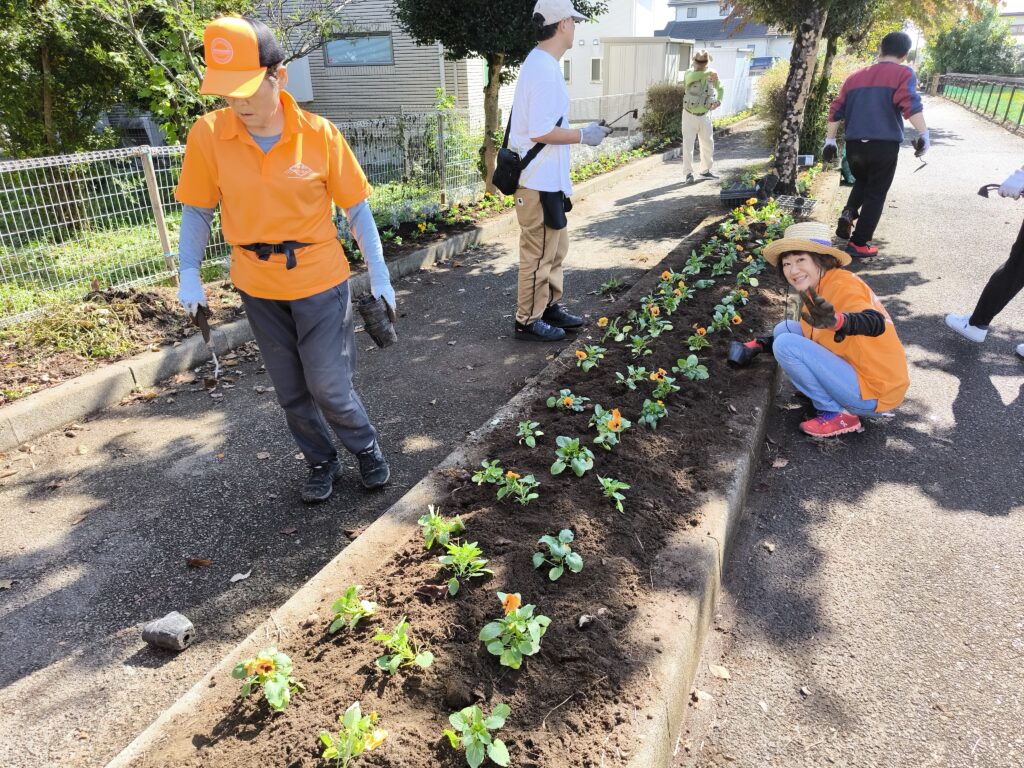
{"x":555,"y":205}
{"x":509,"y":166}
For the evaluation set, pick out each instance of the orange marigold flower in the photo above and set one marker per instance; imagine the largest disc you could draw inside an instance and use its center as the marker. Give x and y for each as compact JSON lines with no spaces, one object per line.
{"x":567,"y":401}
{"x":752,"y":201}
{"x":512,"y":475}
{"x":250,"y":667}
{"x":702,"y":331}
{"x":736,"y":319}
{"x":666,"y":275}
{"x":602,"y":322}
{"x":615,"y":422}
{"x":654,"y":310}
{"x":511,"y":603}
{"x":581,"y":355}
{"x":677,"y":292}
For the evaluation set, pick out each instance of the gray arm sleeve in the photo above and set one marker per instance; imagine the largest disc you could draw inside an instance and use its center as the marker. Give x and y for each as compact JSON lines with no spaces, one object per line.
{"x":196,"y":224}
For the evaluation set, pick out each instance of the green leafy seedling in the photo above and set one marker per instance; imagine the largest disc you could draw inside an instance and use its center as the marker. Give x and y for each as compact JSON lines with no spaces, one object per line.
{"x":571,"y":454}
{"x":612,"y":490}
{"x":528,"y":433}
{"x":357,"y":735}
{"x":491,"y":472}
{"x":465,"y":563}
{"x":438,"y":528}
{"x":403,"y":650}
{"x":349,"y":609}
{"x":473,"y":733}
{"x":271,"y":670}
{"x":560,"y":555}
{"x":517,"y":634}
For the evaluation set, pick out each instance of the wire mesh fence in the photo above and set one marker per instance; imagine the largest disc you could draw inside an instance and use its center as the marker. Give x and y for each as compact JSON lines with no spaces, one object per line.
{"x":73,"y":224}
{"x":1001,"y":99}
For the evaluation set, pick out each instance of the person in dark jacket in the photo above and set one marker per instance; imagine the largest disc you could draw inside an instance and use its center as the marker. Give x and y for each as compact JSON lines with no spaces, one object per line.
{"x":872,"y":105}
{"x":844,"y":353}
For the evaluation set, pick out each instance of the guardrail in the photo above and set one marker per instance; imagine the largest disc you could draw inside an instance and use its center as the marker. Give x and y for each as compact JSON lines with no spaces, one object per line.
{"x":1000,"y":99}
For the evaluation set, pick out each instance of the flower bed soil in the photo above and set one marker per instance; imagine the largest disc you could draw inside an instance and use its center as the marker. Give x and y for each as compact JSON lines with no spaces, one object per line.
{"x":575,"y":703}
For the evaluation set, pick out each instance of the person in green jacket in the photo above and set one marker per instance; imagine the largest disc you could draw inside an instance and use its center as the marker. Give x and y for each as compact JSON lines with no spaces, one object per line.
{"x":702,"y":94}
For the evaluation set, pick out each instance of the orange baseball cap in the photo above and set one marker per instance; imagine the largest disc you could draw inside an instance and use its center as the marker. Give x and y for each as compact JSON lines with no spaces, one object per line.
{"x":238,"y":52}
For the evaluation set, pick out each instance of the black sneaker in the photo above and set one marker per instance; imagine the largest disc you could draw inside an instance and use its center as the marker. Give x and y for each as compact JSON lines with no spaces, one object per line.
{"x":708,"y":174}
{"x":320,"y":483}
{"x":689,"y":178}
{"x":555,"y":315}
{"x":845,"y":226}
{"x":538,"y":330}
{"x":373,"y":467}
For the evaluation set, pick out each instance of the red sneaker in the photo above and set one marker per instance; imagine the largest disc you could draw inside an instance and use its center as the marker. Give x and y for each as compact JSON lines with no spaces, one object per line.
{"x":861,"y":251}
{"x":831,"y":424}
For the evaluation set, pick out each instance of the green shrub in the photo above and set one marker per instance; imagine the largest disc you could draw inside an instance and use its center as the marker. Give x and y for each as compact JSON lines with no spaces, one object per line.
{"x":663,"y":112}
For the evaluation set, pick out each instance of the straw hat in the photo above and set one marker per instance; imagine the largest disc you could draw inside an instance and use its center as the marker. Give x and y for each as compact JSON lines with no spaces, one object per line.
{"x":807,"y":237}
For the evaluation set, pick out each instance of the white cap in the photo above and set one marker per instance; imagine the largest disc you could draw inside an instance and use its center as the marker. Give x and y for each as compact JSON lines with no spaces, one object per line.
{"x":554,"y":11}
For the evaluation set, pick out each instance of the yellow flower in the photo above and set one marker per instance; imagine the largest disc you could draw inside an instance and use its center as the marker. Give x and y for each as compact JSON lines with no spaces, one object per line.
{"x":376,"y":738}
{"x":681,"y":284}
{"x":423,"y":226}
{"x":666,"y":275}
{"x":654,"y":310}
{"x":739,"y":248}
{"x":512,"y":475}
{"x":749,"y":258}
{"x":702,"y":331}
{"x":511,"y":603}
{"x":658,"y":375}
{"x":567,"y":401}
{"x":744,"y":293}
{"x":615,"y":422}
{"x":677,"y":292}
{"x":736,"y":319}
{"x":265,"y":666}
{"x":250,"y":667}
{"x":602,"y":322}
{"x":660,"y":402}
{"x":581,"y":355}
{"x":752,"y":201}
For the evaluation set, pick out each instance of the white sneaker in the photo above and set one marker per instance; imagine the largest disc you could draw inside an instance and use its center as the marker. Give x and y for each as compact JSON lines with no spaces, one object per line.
{"x":961,"y":324}
{"x":1020,"y":350}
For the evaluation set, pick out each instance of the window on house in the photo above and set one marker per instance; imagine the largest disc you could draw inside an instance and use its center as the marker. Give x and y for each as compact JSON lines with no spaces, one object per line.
{"x":595,"y":70}
{"x":567,"y":70}
{"x":359,"y":50}
{"x":691,"y":13}
{"x":724,"y":10}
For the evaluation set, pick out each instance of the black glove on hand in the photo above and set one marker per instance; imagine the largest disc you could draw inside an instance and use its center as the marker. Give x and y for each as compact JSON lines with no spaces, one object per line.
{"x":741,"y":355}
{"x":830,"y":153}
{"x":819,"y":314}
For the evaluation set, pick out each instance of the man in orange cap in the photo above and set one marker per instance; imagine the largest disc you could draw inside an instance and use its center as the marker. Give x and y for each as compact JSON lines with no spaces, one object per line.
{"x":275,"y":170}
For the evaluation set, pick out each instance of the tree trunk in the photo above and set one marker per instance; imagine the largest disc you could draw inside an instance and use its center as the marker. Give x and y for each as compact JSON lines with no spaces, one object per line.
{"x":489,"y":151}
{"x":798,"y":82}
{"x":48,"y":130}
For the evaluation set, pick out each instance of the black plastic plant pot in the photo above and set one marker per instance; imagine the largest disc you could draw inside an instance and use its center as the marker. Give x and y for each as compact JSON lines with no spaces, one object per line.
{"x":377,"y":320}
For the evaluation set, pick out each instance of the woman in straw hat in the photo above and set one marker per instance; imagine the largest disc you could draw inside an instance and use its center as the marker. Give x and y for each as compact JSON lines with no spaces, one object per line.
{"x":844,"y":353}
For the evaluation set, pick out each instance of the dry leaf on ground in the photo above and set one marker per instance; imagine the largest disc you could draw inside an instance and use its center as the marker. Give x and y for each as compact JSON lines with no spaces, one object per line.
{"x":198,"y":562}
{"x":720,"y":672}
{"x":241,"y":576}
{"x":768,"y":545}
{"x":262,"y":455}
{"x":780,"y":462}
{"x":6,"y":583}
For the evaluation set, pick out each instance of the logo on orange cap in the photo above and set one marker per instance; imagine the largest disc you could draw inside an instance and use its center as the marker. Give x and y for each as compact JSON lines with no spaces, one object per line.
{"x":221,"y":51}
{"x":232,"y":52}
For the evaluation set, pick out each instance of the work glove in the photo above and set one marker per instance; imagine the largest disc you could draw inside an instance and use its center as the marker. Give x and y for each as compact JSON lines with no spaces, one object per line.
{"x":742,"y":354}
{"x":1013,"y":186}
{"x":922,"y":143}
{"x":364,"y":231}
{"x":819,"y":313}
{"x":190,"y":290}
{"x":594,"y":133}
{"x":831,"y":150}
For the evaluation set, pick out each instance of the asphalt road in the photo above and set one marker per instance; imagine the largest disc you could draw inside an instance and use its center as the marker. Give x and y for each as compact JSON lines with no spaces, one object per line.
{"x":873,"y":613}
{"x":96,"y":538}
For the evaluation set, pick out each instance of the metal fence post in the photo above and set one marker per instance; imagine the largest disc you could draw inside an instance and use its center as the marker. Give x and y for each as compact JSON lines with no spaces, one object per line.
{"x":158,"y":208}
{"x":1009,"y":101}
{"x":988,"y":101}
{"x":442,"y":179}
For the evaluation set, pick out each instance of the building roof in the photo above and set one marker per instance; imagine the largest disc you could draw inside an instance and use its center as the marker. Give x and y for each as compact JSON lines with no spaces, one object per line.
{"x":713,"y":29}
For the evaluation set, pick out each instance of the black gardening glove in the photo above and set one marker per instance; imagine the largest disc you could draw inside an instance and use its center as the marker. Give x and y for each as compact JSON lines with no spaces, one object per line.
{"x":819,"y":313}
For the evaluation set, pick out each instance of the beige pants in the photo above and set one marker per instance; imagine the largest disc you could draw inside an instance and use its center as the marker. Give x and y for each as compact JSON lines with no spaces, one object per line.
{"x":698,"y":127}
{"x":541,"y":253}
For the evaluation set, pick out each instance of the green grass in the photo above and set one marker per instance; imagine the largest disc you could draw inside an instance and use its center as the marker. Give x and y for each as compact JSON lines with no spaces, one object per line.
{"x":988,"y":100}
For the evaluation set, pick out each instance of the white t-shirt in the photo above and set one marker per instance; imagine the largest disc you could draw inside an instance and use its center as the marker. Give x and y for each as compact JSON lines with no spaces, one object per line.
{"x":541,"y":98}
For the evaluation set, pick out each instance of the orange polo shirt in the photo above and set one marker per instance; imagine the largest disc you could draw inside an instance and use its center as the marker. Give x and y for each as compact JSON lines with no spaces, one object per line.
{"x":284,"y":194}
{"x":879,"y":361}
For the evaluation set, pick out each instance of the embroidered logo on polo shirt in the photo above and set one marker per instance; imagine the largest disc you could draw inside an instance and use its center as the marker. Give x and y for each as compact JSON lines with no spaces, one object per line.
{"x":299,"y":171}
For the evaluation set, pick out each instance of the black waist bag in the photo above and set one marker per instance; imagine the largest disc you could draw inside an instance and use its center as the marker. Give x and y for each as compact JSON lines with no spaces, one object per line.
{"x":510,"y":165}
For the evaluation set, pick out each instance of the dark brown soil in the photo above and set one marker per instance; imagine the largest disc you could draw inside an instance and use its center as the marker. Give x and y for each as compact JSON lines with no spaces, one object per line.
{"x":575,"y":702}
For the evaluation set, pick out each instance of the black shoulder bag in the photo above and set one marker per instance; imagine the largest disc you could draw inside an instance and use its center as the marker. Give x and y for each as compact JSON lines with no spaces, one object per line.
{"x":509,"y":165}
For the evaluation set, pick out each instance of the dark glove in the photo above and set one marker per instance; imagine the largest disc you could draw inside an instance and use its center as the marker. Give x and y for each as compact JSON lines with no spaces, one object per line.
{"x":870,"y":322}
{"x":819,"y":314}
{"x":830,"y":151}
{"x":741,"y":355}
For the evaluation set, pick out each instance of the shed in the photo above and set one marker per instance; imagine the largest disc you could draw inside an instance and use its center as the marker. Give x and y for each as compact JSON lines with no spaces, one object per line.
{"x":633,"y":64}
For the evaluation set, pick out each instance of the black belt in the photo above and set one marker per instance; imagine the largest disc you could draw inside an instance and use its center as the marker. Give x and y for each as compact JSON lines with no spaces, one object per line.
{"x":288,"y":248}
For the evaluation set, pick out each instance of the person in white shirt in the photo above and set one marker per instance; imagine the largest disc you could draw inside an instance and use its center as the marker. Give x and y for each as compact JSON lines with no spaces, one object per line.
{"x":540,"y":115}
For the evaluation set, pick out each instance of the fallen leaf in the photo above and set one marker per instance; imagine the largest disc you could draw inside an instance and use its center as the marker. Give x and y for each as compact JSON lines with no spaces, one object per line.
{"x":779,"y":462}
{"x":54,"y":484}
{"x":8,"y":473}
{"x":431,"y":592}
{"x":220,"y":455}
{"x":289,"y":531}
{"x":262,"y":455}
{"x":184,"y":378}
{"x":353,"y":533}
{"x":7,"y":583}
{"x":81,"y":450}
{"x":241,"y":576}
{"x":769,"y":546}
{"x":805,"y":691}
{"x":763,"y":706}
{"x":584,"y":621}
{"x":732,"y":408}
{"x":452,"y":343}
{"x":456,"y":264}
{"x":300,"y":456}
{"x":720,"y":672}
{"x":700,"y":698}
{"x":198,"y":562}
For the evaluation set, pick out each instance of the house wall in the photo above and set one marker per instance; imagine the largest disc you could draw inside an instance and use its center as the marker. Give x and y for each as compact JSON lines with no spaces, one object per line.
{"x":705,"y":10}
{"x":759,"y":46}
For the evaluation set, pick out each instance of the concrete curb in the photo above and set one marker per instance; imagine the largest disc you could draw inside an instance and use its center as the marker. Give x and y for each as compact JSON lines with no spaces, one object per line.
{"x":97,"y":390}
{"x":672,"y":672}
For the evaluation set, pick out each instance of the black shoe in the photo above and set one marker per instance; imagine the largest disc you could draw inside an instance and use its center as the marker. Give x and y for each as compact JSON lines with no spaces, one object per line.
{"x":320,"y":483}
{"x":373,"y":467}
{"x":555,"y":315}
{"x":708,"y":174}
{"x":538,"y":330}
{"x":689,"y":178}
{"x":845,"y":226}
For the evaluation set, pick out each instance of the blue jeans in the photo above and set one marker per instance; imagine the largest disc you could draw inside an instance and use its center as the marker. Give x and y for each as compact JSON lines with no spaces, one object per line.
{"x":822,"y":375}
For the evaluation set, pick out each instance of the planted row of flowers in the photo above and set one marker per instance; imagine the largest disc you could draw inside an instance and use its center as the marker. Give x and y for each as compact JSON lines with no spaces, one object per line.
{"x":517,"y":633}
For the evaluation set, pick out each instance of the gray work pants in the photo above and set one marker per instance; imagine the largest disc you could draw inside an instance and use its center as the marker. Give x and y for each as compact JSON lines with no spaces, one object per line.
{"x":308,"y":346}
